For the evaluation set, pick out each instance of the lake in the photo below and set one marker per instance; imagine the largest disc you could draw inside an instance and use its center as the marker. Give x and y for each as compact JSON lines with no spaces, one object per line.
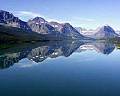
{"x":69,"y":68}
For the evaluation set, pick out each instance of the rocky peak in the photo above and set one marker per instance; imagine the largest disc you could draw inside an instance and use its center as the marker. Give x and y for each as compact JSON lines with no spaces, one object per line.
{"x":107,"y":28}
{"x":5,"y":16}
{"x":105,"y":32}
{"x":66,"y":29}
{"x":70,"y":31}
{"x":56,"y":25}
{"x":40,"y":25}
{"x":9,"y":19}
{"x":37,"y":20}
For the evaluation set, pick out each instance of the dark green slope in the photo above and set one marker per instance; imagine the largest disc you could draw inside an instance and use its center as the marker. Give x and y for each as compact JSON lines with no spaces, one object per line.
{"x":17,"y":35}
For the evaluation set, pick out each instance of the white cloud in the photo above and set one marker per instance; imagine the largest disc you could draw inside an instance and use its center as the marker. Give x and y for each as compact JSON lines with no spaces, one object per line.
{"x":27,"y":13}
{"x":75,"y":21}
{"x":80,"y":19}
{"x":59,"y":21}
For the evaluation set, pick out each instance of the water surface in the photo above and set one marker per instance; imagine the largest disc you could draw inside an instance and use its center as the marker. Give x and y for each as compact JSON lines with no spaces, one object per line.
{"x":68,"y":68}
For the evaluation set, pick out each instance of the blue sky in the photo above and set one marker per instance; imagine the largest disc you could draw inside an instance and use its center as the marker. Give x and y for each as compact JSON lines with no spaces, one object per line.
{"x":83,"y":13}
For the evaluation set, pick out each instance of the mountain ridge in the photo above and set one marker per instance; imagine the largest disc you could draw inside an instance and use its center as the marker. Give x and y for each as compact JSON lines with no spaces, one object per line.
{"x":52,"y":29}
{"x":102,"y":32}
{"x":40,"y":26}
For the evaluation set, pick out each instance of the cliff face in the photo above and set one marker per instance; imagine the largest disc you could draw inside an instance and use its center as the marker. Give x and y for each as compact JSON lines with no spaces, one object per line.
{"x":41,"y":26}
{"x":9,"y":19}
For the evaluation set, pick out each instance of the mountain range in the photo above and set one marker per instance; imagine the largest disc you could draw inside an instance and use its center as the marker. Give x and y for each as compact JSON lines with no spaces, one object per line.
{"x":13,"y":29}
{"x":103,"y":32}
{"x":42,"y":29}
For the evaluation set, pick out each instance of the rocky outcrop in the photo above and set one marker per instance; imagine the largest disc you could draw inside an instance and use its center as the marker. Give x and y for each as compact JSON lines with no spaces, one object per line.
{"x":41,"y":26}
{"x":66,"y":29}
{"x":9,"y":19}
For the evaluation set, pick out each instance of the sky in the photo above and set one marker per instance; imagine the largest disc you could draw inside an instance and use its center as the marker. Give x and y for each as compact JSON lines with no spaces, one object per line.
{"x":88,"y":14}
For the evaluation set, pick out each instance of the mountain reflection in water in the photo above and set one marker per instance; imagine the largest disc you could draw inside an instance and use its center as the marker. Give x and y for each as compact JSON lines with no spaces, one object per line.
{"x":39,"y":52}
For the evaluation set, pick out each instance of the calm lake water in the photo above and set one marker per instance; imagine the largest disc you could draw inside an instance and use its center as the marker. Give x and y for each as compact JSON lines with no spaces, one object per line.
{"x":68,"y":68}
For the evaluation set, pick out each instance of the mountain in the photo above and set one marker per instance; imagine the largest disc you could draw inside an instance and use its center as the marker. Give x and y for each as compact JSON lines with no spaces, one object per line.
{"x":41,"y":26}
{"x":56,"y":25}
{"x":48,"y":30}
{"x":105,"y":32}
{"x":8,"y":19}
{"x":16,"y":35}
{"x":38,"y":25}
{"x":66,"y":29}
